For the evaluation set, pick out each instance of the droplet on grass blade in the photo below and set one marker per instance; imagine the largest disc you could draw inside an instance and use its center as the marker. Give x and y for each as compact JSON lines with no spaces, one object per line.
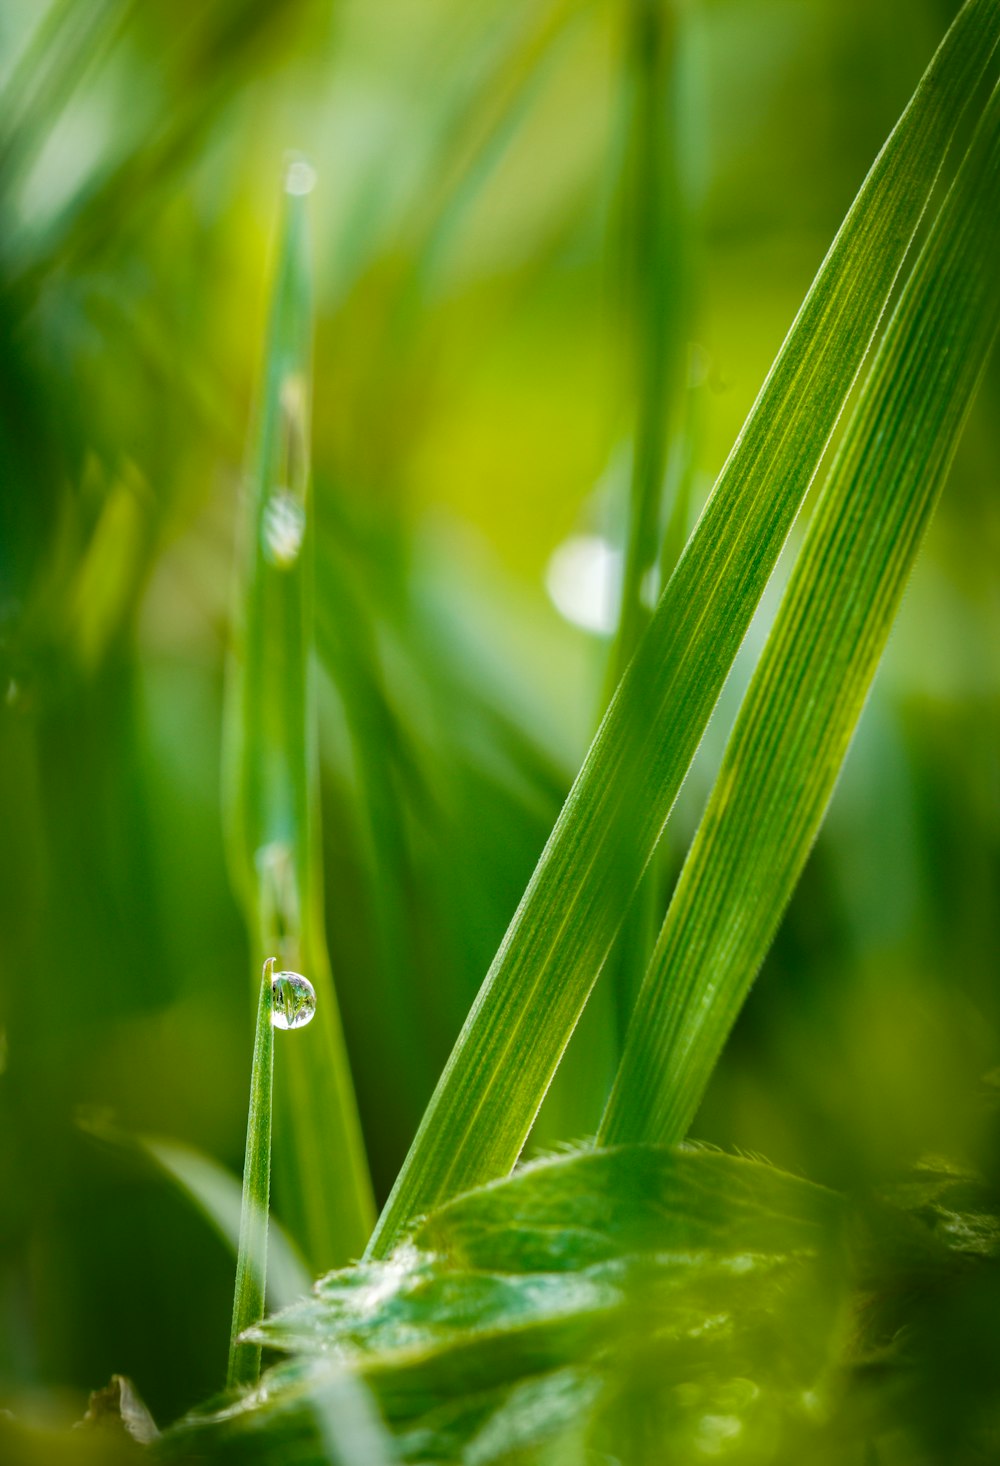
{"x":300,"y":177}
{"x":284,"y":528}
{"x":293,"y":1000}
{"x":582,"y":580}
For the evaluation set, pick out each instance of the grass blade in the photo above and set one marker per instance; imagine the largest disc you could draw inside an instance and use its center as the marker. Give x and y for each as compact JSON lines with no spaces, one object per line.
{"x":524,"y":1015}
{"x":807,"y":694}
{"x":216,"y":1193}
{"x":322,"y":1182}
{"x":655,"y":248}
{"x":350,"y":1427}
{"x":251,"y":1259}
{"x":656,"y":223}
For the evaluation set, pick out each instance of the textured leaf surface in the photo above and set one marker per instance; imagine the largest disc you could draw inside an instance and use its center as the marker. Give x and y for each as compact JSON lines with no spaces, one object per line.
{"x":524,"y":1314}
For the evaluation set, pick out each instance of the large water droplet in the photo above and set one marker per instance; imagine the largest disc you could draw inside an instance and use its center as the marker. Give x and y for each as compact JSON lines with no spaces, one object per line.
{"x":293,"y":1000}
{"x":284,"y":527}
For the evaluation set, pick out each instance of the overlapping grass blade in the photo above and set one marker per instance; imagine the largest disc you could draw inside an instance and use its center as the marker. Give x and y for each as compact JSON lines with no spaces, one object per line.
{"x":526,"y":1010}
{"x":808,"y":691}
{"x":321,"y":1175}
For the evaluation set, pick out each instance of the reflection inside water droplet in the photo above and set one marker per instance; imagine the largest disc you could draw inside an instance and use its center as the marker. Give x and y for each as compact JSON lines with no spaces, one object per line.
{"x":284,"y":527}
{"x":293,"y":1000}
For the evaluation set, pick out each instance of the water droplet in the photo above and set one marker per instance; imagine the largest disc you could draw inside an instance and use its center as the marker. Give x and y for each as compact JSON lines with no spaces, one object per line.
{"x":284,"y":528}
{"x":293,"y":1000}
{"x":300,"y":177}
{"x":582,"y":580}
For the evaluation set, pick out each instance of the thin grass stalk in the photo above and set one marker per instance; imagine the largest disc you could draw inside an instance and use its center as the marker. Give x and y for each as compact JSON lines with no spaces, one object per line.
{"x":251,"y":1257}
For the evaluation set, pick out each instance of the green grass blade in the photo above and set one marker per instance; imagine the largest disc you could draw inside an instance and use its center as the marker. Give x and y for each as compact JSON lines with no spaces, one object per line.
{"x":321,"y":1179}
{"x":350,"y":1427}
{"x":524,"y":1015}
{"x":216,"y":1193}
{"x":251,"y":1259}
{"x":809,"y":689}
{"x":656,"y":219}
{"x":655,"y":270}
{"x":68,"y":42}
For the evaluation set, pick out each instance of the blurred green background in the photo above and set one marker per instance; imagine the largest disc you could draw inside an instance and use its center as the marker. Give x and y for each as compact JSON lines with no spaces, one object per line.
{"x":475,"y":402}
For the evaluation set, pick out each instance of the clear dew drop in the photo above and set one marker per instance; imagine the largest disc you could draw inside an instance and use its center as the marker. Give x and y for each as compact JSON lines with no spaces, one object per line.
{"x":293,"y":1000}
{"x":284,"y":528}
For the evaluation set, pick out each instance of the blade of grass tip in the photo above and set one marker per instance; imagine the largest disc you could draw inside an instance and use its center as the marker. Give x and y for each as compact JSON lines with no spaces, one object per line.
{"x":504,"y":1059}
{"x":251,"y":1258}
{"x":807,"y":694}
{"x":321,"y":1180}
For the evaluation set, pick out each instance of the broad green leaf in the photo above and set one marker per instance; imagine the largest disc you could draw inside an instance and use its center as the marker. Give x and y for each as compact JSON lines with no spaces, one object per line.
{"x":524,"y":1015}
{"x":810,"y":686}
{"x":321,"y":1175}
{"x":519,"y":1315}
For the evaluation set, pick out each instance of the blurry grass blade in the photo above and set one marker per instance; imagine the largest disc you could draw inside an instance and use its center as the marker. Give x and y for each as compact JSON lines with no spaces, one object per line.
{"x":217,"y":1194}
{"x":251,"y":1260}
{"x":474,"y":131}
{"x":528,"y":1006}
{"x":273,"y":799}
{"x":68,"y":42}
{"x":809,"y":689}
{"x":655,"y":220}
{"x":350,"y":1427}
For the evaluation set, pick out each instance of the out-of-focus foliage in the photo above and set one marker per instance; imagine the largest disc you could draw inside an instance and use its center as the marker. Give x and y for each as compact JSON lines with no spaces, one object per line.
{"x":473,"y":410}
